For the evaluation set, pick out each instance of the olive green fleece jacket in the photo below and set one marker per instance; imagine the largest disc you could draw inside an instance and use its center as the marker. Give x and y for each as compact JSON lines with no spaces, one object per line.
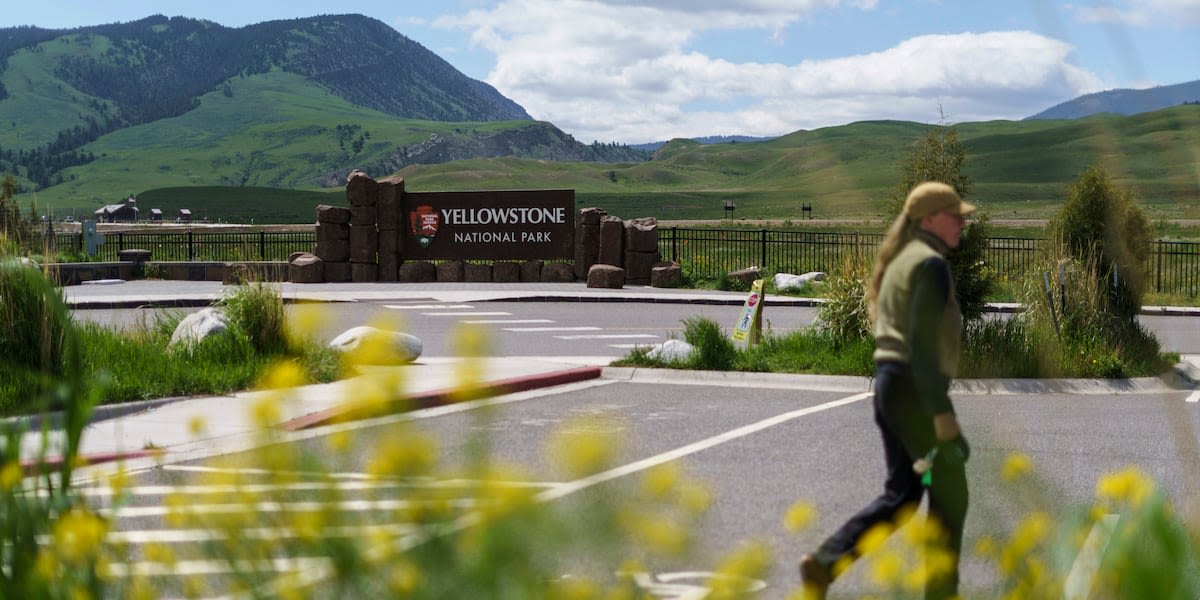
{"x":918,"y":320}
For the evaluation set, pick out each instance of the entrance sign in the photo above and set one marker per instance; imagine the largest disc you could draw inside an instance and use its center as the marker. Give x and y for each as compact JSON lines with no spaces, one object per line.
{"x":749,"y":324}
{"x":499,"y":225}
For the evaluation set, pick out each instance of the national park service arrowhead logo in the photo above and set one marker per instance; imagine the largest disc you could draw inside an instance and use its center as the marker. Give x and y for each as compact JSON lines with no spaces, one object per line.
{"x":424,"y":221}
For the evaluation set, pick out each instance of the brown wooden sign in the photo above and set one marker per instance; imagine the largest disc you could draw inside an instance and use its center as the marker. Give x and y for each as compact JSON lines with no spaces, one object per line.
{"x":499,"y":225}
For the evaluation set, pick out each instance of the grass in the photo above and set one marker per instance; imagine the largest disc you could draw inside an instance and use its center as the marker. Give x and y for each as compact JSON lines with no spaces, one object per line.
{"x":141,"y":364}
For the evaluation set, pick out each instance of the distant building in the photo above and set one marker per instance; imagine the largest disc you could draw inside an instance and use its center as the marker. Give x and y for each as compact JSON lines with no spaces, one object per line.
{"x":118,"y":213}
{"x":185,"y":215}
{"x":156,"y":215}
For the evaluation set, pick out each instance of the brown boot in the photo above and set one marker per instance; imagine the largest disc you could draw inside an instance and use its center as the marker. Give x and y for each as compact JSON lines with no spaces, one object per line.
{"x":815,"y":577}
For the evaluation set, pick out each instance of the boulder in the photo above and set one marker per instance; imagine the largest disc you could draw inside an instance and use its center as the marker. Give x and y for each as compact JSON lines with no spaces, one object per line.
{"x":374,"y":346}
{"x":641,"y":235}
{"x":587,"y":240}
{"x":506,"y":272}
{"x":364,"y":244}
{"x":746,"y":276}
{"x":666,"y":275}
{"x":639,"y":264}
{"x":417,"y":271}
{"x":333,"y":250}
{"x":477,"y":273}
{"x":197,"y":327}
{"x":606,"y":276}
{"x":391,"y":190}
{"x":558,"y":273}
{"x":531,"y":271}
{"x":785,"y":281}
{"x":332,"y":231}
{"x":306,"y":268}
{"x":364,"y":272}
{"x":451,"y":271}
{"x":671,"y":351}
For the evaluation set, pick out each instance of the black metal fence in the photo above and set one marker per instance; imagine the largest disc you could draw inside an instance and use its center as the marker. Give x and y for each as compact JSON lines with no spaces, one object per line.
{"x":1174,"y":267}
{"x":199,"y":245}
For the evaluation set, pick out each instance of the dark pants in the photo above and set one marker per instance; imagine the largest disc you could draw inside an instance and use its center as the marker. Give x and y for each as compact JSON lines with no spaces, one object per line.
{"x":907,"y":434}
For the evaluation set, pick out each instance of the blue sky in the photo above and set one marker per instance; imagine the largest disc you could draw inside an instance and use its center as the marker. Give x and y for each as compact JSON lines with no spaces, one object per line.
{"x":635,"y":71}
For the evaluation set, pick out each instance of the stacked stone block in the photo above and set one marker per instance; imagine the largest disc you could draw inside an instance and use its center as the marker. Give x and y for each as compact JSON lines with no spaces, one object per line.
{"x":641,"y":249}
{"x":363,"y":194}
{"x":333,"y":243}
{"x":389,"y":222}
{"x":587,"y":240}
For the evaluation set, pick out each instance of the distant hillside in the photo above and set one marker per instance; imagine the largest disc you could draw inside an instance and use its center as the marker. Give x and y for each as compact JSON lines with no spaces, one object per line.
{"x":346,"y":79}
{"x":711,"y":139}
{"x":1125,"y":101}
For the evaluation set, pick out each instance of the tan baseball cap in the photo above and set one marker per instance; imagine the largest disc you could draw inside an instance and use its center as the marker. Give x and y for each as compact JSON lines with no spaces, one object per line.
{"x":933,"y":197}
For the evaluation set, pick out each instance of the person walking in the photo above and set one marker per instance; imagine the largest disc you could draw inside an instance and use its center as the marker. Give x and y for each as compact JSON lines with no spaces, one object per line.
{"x":917,"y":323}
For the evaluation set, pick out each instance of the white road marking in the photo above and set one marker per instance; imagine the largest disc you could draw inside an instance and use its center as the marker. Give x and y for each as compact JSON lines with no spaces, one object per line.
{"x":569,"y":488}
{"x":1195,"y":397}
{"x":428,"y":306}
{"x":606,"y":336}
{"x":1078,"y":585}
{"x":192,"y":536}
{"x":629,"y":346}
{"x":549,"y":329}
{"x":132,"y":512}
{"x":507,"y":321}
{"x":467,"y":314}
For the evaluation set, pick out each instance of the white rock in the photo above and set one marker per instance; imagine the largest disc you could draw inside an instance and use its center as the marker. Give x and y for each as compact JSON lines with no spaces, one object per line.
{"x":671,"y":351}
{"x":394,"y":346}
{"x":199,"y":326}
{"x":785,"y":281}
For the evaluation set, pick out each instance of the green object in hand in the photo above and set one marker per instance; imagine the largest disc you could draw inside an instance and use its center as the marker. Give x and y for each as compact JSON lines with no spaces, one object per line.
{"x":924,"y":467}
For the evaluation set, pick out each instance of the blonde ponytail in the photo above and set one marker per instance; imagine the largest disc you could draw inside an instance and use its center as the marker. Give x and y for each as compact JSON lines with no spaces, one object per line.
{"x":902,"y":230}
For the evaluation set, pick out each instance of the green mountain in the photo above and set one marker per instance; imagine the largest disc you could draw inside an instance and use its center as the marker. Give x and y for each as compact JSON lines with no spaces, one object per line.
{"x":90,"y":114}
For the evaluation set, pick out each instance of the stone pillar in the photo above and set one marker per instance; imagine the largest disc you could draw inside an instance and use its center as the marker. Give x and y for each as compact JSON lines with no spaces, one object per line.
{"x":612,"y":241}
{"x":333,"y":243}
{"x":587,"y":240}
{"x":641,"y":249}
{"x":362,"y":193}
{"x":390,"y":223}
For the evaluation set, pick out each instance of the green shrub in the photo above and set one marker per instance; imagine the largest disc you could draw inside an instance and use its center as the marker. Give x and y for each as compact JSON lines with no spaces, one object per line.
{"x":844,"y":314}
{"x":257,"y":310}
{"x":714,"y":351}
{"x":1101,"y":224}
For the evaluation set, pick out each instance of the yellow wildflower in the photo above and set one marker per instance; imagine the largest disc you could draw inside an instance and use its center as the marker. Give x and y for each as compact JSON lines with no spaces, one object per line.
{"x":1016,"y":466}
{"x":660,"y":480}
{"x":11,"y":475}
{"x":1129,"y":486}
{"x":799,"y":516}
{"x":78,"y":535}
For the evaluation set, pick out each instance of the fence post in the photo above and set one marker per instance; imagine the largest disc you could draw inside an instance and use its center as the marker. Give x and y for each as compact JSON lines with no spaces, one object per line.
{"x":191,"y":249}
{"x":674,"y":244}
{"x":762,"y":264}
{"x":1159,"y":259}
{"x":262,"y":245}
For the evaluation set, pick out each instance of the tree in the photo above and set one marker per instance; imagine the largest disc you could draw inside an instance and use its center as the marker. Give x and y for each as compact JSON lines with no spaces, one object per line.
{"x":1101,"y":225}
{"x":940,"y":157}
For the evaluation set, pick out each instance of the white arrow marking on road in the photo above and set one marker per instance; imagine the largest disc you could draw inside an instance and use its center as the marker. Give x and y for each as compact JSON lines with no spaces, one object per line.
{"x":1079,"y":581}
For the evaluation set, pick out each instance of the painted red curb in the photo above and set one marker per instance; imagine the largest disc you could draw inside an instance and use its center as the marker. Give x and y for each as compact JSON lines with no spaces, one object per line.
{"x":38,"y":467}
{"x":442,"y":397}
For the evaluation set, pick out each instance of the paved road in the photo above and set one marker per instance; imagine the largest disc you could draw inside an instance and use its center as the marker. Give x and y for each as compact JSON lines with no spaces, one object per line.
{"x":759,"y":442}
{"x":759,"y":450}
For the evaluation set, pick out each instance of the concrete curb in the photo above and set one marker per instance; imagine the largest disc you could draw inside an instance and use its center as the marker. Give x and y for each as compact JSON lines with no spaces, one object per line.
{"x":342,"y":414}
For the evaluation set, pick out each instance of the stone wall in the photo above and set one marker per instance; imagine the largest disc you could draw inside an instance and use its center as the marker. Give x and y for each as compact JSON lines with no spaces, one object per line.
{"x":364,"y":242}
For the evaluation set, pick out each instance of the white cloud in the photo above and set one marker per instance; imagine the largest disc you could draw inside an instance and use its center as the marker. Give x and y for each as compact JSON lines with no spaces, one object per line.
{"x":1139,"y":13}
{"x":624,"y":70}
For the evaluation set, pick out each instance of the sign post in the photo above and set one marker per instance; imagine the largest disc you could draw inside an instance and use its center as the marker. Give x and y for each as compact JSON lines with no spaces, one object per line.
{"x":749,"y":324}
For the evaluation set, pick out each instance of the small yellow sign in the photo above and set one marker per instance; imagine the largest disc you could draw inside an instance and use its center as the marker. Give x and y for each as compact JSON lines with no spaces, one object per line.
{"x":749,"y":324}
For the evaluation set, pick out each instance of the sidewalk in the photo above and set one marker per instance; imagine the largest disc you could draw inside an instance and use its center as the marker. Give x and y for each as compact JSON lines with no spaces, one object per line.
{"x":174,"y":430}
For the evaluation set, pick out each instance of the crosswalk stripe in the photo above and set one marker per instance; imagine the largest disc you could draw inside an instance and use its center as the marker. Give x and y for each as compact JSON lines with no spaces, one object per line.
{"x":467,"y":314}
{"x":507,"y":321}
{"x":549,"y":329}
{"x":428,"y":306}
{"x":606,"y":336}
